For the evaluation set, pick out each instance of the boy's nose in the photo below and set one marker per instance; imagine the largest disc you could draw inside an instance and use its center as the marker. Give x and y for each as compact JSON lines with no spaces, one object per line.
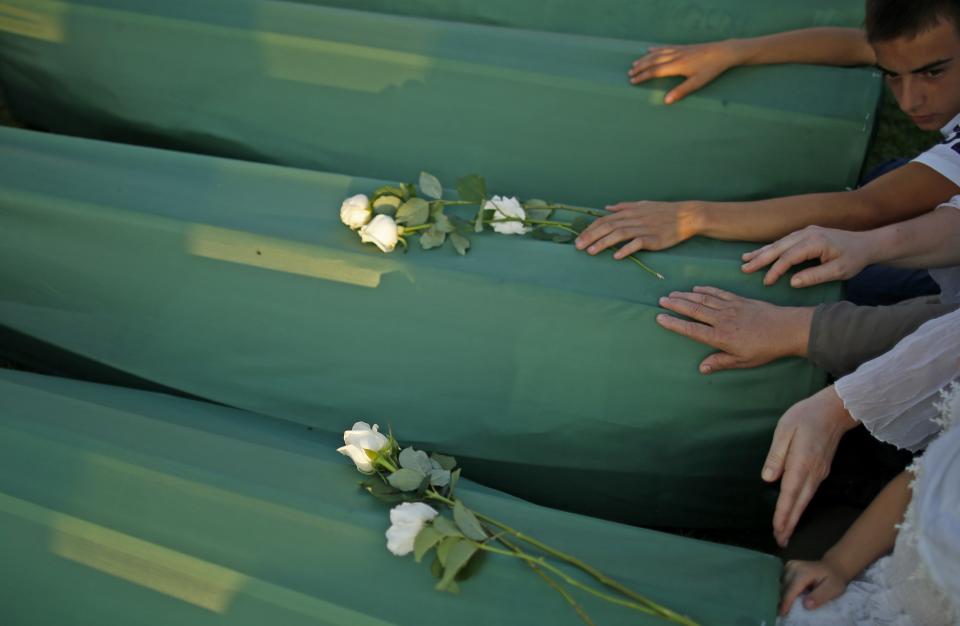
{"x":912,"y":96}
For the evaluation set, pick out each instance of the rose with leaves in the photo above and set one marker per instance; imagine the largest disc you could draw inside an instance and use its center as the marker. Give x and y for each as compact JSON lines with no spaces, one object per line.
{"x":404,"y":210}
{"x":410,"y":478}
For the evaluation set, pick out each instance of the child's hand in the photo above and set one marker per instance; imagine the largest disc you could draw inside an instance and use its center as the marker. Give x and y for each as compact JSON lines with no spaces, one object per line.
{"x":823,"y":581}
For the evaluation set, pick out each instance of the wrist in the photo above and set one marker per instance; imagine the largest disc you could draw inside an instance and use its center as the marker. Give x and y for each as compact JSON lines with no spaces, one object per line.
{"x":799,"y":322}
{"x":693,"y":219}
{"x":838,"y":413}
{"x":742,"y":51}
{"x":836,"y":560}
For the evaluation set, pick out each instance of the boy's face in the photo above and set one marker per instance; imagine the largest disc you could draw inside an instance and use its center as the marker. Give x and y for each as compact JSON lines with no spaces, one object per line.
{"x":924,"y":74}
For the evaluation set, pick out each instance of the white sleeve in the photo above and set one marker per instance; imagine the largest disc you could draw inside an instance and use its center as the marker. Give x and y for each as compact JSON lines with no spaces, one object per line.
{"x":944,"y":158}
{"x":894,"y":394}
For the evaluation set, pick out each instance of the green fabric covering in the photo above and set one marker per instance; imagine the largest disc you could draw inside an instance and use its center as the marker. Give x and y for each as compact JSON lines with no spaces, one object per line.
{"x":539,"y":365}
{"x":120,"y":506}
{"x":674,"y":21}
{"x":539,"y":114}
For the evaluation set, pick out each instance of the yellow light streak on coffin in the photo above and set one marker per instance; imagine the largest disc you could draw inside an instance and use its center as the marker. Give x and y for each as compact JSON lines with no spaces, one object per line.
{"x":187,"y":578}
{"x":235,"y":246}
{"x":47,"y":25}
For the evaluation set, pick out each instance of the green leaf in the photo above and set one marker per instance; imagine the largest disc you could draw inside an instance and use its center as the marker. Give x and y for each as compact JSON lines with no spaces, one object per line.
{"x":443,"y":549}
{"x":430,"y":186}
{"x":461,"y":243}
{"x":454,"y":477}
{"x":537,"y":210}
{"x":426,"y":539}
{"x":473,"y":566}
{"x":436,"y":208}
{"x":373,"y":455}
{"x":415,"y":460}
{"x":472,"y":188}
{"x":478,"y":221}
{"x":444,"y":461}
{"x":457,"y":558}
{"x":436,"y":568}
{"x":443,"y":223}
{"x":413,"y":212}
{"x":563,"y":237}
{"x":445,"y":527}
{"x":406,"y":479}
{"x":580,"y":223}
{"x":382,"y":491}
{"x":542,"y":234}
{"x":409,"y":191}
{"x":439,"y":477}
{"x":467,"y":522}
{"x":432,"y":238}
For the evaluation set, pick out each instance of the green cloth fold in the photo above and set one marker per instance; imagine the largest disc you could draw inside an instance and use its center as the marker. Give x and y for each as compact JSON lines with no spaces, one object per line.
{"x":539,"y":114}
{"x":671,"y":21}
{"x":120,"y":506}
{"x":538,"y":365}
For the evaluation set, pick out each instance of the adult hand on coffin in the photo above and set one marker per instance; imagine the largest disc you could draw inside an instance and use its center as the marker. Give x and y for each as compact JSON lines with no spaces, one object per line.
{"x":842,"y":254}
{"x":747,"y":333}
{"x":802,"y":450}
{"x":700,"y":64}
{"x":644,"y":225}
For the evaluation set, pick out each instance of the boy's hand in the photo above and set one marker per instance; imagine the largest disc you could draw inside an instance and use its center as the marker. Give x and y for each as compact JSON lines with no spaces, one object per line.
{"x":700,"y":64}
{"x":820,"y":579}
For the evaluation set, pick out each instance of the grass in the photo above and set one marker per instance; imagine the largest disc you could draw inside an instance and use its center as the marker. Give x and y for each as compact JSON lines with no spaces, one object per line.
{"x":896,"y":136}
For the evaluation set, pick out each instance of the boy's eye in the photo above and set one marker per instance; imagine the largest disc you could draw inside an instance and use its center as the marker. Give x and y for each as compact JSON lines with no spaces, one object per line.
{"x":933,"y":73}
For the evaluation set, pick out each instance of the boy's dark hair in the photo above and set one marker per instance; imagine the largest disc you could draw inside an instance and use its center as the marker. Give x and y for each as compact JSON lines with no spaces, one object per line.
{"x":891,"y":19}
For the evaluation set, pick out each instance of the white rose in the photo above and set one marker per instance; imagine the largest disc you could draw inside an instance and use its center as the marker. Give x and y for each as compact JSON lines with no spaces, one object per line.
{"x":407,"y":521}
{"x":382,"y":231}
{"x":355,"y":211}
{"x":361,"y":437}
{"x":507,"y":208}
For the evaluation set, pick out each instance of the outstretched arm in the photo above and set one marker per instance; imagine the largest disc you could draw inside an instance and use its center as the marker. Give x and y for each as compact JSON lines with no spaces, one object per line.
{"x":871,"y":536}
{"x":931,"y":240}
{"x":902,"y":194}
{"x":702,"y":63}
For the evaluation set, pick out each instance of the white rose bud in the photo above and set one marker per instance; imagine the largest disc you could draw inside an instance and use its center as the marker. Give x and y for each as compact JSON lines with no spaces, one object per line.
{"x":361,"y":437}
{"x":407,"y":520}
{"x":355,"y":211}
{"x":382,"y":231}
{"x":507,"y":208}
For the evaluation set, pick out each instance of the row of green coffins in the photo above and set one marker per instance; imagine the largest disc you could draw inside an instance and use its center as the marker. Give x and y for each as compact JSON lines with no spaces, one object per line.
{"x":541,"y":366}
{"x":367,"y":94}
{"x":120,"y":506}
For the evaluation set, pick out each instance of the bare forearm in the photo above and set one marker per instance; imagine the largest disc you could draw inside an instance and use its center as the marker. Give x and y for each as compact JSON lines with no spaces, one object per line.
{"x":821,"y":46}
{"x":931,"y":240}
{"x":874,"y":533}
{"x":766,"y":220}
{"x":903,"y":194}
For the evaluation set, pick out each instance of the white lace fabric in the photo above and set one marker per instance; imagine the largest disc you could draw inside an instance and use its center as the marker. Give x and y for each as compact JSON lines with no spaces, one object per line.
{"x":919,"y":583}
{"x":894,"y":395}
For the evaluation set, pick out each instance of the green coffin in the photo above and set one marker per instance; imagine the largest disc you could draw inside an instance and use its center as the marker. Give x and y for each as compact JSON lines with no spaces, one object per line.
{"x":125,"y":507}
{"x":365,"y":94}
{"x":540,"y":366}
{"x":674,"y":21}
